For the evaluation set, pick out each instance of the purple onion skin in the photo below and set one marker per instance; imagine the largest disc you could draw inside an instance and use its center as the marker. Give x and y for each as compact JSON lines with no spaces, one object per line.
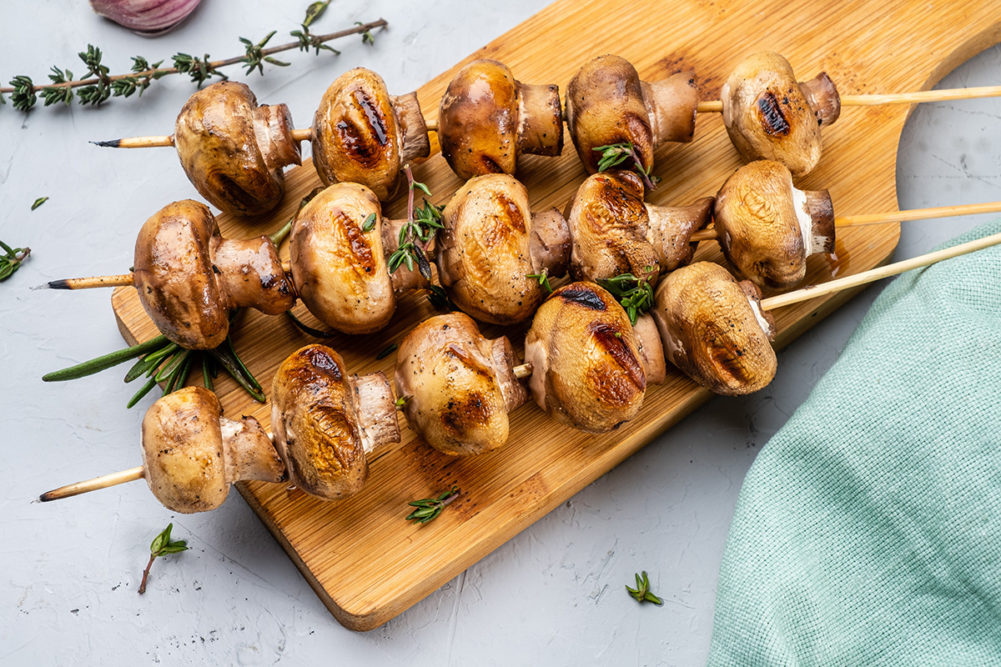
{"x":148,"y":18}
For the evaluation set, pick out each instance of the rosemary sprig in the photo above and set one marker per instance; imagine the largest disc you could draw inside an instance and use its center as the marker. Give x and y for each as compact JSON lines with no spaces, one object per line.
{"x":421,"y":226}
{"x":543,"y":279}
{"x":388,"y":350}
{"x":11,"y":260}
{"x":428,"y":509}
{"x":642,"y":592}
{"x":439,"y":298}
{"x":97,"y":84}
{"x":306,"y":329}
{"x":612,"y":155}
{"x":162,"y":545}
{"x":38,"y":202}
{"x":635,"y":294}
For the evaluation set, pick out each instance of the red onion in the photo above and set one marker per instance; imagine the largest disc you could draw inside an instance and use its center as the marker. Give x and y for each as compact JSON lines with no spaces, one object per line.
{"x":145,"y":17}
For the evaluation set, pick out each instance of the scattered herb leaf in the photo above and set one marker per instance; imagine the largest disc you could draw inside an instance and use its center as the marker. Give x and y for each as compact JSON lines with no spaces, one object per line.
{"x":428,"y":509}
{"x":38,"y":202}
{"x":11,"y":260}
{"x":642,"y":592}
{"x":612,"y":155}
{"x":162,"y":545}
{"x":635,"y":294}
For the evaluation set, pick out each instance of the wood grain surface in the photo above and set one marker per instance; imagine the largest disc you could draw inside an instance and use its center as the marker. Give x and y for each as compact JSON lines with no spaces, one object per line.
{"x":364,"y":561}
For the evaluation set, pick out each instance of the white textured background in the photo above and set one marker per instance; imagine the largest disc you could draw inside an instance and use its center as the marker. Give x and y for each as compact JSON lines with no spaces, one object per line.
{"x":69,"y":570}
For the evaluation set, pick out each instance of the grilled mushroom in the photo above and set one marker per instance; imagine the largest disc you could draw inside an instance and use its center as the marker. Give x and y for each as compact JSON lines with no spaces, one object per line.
{"x":190,"y":279}
{"x":191,"y":453}
{"x":490,"y":245}
{"x":233,"y":150}
{"x":714,"y":330}
{"x":461,"y":386}
{"x":362,"y":134}
{"x":769,"y":115}
{"x":767,"y":227}
{"x":614,"y":231}
{"x":608,"y":104}
{"x":586,"y":369}
{"x":487,"y":120}
{"x":325,"y":422}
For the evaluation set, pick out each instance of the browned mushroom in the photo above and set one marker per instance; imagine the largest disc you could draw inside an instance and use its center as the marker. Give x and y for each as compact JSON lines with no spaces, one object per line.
{"x":714,"y":329}
{"x":233,"y":150}
{"x":586,"y":369}
{"x":768,"y":114}
{"x":190,"y":279}
{"x":608,"y":104}
{"x":487,"y":120}
{"x":490,"y":245}
{"x":767,"y":227}
{"x":614,"y":231}
{"x":362,"y":134}
{"x":459,"y":385}
{"x":326,"y":422}
{"x":338,"y":267}
{"x":191,"y":453}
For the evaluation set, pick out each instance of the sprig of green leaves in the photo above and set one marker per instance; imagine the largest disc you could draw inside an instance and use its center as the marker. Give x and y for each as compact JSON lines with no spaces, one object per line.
{"x":613,"y":155}
{"x":162,"y":545}
{"x":634,"y":294}
{"x":428,"y":509}
{"x":543,"y":279}
{"x":642,"y":592}
{"x":11,"y":260}
{"x":417,"y":232}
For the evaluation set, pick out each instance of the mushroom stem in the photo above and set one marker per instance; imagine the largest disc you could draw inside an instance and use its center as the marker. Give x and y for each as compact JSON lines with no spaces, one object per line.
{"x":878,"y":273}
{"x":871,"y":100}
{"x":121,"y":280}
{"x":102,"y":482}
{"x":522,"y":371}
{"x":137,"y":142}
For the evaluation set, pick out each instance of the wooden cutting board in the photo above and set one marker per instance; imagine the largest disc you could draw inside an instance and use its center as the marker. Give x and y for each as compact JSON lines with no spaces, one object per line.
{"x":361,"y":557}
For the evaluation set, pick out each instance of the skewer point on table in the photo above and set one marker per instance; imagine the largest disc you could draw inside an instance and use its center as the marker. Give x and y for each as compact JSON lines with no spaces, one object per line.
{"x":102,"y":482}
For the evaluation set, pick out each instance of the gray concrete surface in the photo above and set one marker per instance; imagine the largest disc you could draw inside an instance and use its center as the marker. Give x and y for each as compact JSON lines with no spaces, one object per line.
{"x":553,"y":595}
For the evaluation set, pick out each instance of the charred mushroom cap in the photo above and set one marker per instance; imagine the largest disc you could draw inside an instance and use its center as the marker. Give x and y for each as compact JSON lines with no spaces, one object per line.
{"x":189,"y":278}
{"x":608,"y":226}
{"x":487,"y":120}
{"x":339,"y":269}
{"x":767,"y":227}
{"x":485,"y":251}
{"x":233,"y":150}
{"x":325,"y":422}
{"x":714,"y":330}
{"x":461,"y":385}
{"x":586,"y":368}
{"x":361,"y":134}
{"x":191,"y":454}
{"x":769,"y":115}
{"x":608,"y":104}
{"x":174,"y":277}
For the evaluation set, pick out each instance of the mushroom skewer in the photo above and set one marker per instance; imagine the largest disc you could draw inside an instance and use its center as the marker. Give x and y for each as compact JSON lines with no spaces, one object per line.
{"x":767,"y":228}
{"x":717,"y":331}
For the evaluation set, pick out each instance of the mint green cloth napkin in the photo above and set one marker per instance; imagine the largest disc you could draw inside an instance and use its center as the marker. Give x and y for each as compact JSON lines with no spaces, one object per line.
{"x":868,"y":530}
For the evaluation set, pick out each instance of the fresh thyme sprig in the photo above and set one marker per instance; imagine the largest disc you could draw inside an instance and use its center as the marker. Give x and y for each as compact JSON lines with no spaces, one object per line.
{"x":428,"y":509}
{"x":420,"y":228}
{"x":38,"y":202}
{"x":543,"y":279}
{"x":635,"y":294}
{"x":642,"y":592}
{"x":612,"y":155}
{"x":162,"y":545}
{"x":97,"y":84}
{"x":11,"y":260}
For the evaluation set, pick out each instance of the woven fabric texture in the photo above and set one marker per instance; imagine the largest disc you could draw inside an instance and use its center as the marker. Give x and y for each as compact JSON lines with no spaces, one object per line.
{"x":868,"y":530}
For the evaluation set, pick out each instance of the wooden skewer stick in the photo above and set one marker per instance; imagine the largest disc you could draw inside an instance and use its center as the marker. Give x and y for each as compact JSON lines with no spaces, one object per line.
{"x":894,"y":216}
{"x":102,"y":482}
{"x":871,"y":100}
{"x":878,"y":273}
{"x":302,"y":135}
{"x":523,"y":371}
{"x":125,"y":279}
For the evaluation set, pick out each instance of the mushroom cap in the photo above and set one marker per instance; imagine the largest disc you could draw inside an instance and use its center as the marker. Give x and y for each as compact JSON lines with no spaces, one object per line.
{"x":760,"y":224}
{"x":173,"y":273}
{"x":316,"y":425}
{"x":713,"y":329}
{"x":586,"y":368}
{"x":478,"y":120}
{"x":183,"y":452}
{"x":357,"y":136}
{"x":608,"y":226}
{"x":461,"y":385}
{"x":218,"y":134}
{"x":604,"y":105}
{"x":340,"y":270}
{"x":768,"y":116}
{"x":484,"y":254}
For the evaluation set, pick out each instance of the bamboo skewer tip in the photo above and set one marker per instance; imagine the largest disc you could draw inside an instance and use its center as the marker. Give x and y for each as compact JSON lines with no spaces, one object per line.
{"x":102,"y":482}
